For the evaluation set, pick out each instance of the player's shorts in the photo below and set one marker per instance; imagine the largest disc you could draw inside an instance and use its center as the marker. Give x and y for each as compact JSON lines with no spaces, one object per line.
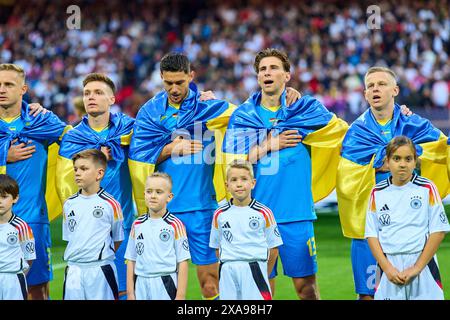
{"x":41,"y":269}
{"x":364,"y":267}
{"x":198,"y":229}
{"x":93,"y":281}
{"x":121,"y":267}
{"x":156,"y":288}
{"x":13,"y":286}
{"x":243,"y":280}
{"x":298,"y":253}
{"x":425,"y":286}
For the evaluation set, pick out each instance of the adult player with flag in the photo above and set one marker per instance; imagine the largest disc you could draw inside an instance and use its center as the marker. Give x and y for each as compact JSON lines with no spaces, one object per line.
{"x":24,"y":155}
{"x":111,"y":133}
{"x":362,"y":164}
{"x":295,"y":150}
{"x":177,"y":133}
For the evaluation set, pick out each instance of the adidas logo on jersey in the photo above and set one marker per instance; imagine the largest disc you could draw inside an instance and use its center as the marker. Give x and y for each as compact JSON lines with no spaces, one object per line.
{"x":71,"y":214}
{"x":140,"y":236}
{"x":226,"y":225}
{"x":385,"y":208}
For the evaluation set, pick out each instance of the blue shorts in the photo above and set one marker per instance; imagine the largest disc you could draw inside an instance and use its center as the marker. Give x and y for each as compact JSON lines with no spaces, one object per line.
{"x":298,"y":253}
{"x":120,"y":262}
{"x":41,"y":269}
{"x":364,"y":267}
{"x":198,"y":229}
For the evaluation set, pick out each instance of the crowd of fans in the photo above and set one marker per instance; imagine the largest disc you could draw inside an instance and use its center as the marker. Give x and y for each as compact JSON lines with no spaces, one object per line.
{"x":330,"y":45}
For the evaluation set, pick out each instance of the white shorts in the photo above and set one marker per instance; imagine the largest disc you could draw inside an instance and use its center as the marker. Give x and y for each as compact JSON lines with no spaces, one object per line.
{"x":98,"y":282}
{"x":426,"y":286}
{"x":13,"y":286}
{"x":156,"y":288}
{"x":240,"y":280}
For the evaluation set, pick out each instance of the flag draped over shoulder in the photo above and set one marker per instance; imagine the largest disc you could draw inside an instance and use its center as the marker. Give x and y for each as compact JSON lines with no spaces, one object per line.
{"x":44,"y":127}
{"x":320,"y":129}
{"x":150,"y":136}
{"x":363,"y":150}
{"x":40,"y":127}
{"x":82,"y":138}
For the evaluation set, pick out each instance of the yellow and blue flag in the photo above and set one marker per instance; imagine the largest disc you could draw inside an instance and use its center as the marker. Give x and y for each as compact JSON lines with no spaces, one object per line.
{"x":322,"y":134}
{"x":117,"y":180}
{"x":364,"y":150}
{"x":151,"y":135}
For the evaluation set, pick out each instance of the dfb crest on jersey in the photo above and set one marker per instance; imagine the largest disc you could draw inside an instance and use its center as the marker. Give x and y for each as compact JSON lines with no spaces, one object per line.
{"x":185,"y":245}
{"x":12,"y":238}
{"x":98,"y":212}
{"x":254,"y":223}
{"x":443,"y":217}
{"x":385,"y":219}
{"x":164,"y":235}
{"x":30,"y":247}
{"x":228,"y":236}
{"x":139,"y":248}
{"x":72,"y":224}
{"x":415,"y":202}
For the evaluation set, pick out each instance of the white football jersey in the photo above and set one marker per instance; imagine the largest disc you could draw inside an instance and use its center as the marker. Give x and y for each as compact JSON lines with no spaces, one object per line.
{"x":403,"y":217}
{"x":244,"y":233}
{"x":16,"y":245}
{"x":157,"y":245}
{"x":91,"y":225}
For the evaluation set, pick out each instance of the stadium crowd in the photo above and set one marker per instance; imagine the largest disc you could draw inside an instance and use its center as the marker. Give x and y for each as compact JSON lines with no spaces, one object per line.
{"x":328,"y":42}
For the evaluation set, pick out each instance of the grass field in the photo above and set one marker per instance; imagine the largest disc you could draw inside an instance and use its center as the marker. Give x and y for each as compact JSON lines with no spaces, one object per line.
{"x":333,"y":252}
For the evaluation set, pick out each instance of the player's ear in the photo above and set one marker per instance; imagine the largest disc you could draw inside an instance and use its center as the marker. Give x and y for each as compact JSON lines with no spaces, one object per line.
{"x":15,"y":200}
{"x":100,"y":174}
{"x":170,"y":197}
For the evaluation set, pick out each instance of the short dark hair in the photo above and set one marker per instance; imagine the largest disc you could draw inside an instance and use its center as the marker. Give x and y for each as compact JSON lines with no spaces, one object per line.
{"x":175,"y":62}
{"x":272,"y":52}
{"x":99,"y":77}
{"x":8,"y":186}
{"x":398,"y":142}
{"x":95,"y":155}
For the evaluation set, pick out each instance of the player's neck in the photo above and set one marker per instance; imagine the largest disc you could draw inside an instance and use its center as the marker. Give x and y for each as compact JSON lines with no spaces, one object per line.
{"x":90,"y":190}
{"x":4,"y":218}
{"x":99,"y":121}
{"x":158,"y":214}
{"x":383,"y":113}
{"x":271,"y":100}
{"x":10,"y":111}
{"x":242,"y":203}
{"x":399,"y":183}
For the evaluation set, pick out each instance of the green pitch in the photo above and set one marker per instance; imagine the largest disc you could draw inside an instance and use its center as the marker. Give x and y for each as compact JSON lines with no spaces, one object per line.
{"x":333,"y":252}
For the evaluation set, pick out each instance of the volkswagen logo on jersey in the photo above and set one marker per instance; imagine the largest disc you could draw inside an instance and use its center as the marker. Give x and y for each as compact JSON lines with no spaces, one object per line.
{"x":254,"y":223}
{"x":30,"y":247}
{"x":443,"y":217}
{"x":164,"y":236}
{"x":139,"y":248}
{"x":228,"y":236}
{"x":185,"y":245}
{"x":415,"y":203}
{"x":11,"y":238}
{"x":72,"y":224}
{"x":385,"y":219}
{"x":98,"y":212}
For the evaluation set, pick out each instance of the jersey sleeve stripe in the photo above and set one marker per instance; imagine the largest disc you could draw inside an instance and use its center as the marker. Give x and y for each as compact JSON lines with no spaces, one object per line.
{"x":25,"y":232}
{"x":218,"y":211}
{"x":177,"y":225}
{"x":267,"y":213}
{"x":114,"y":204}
